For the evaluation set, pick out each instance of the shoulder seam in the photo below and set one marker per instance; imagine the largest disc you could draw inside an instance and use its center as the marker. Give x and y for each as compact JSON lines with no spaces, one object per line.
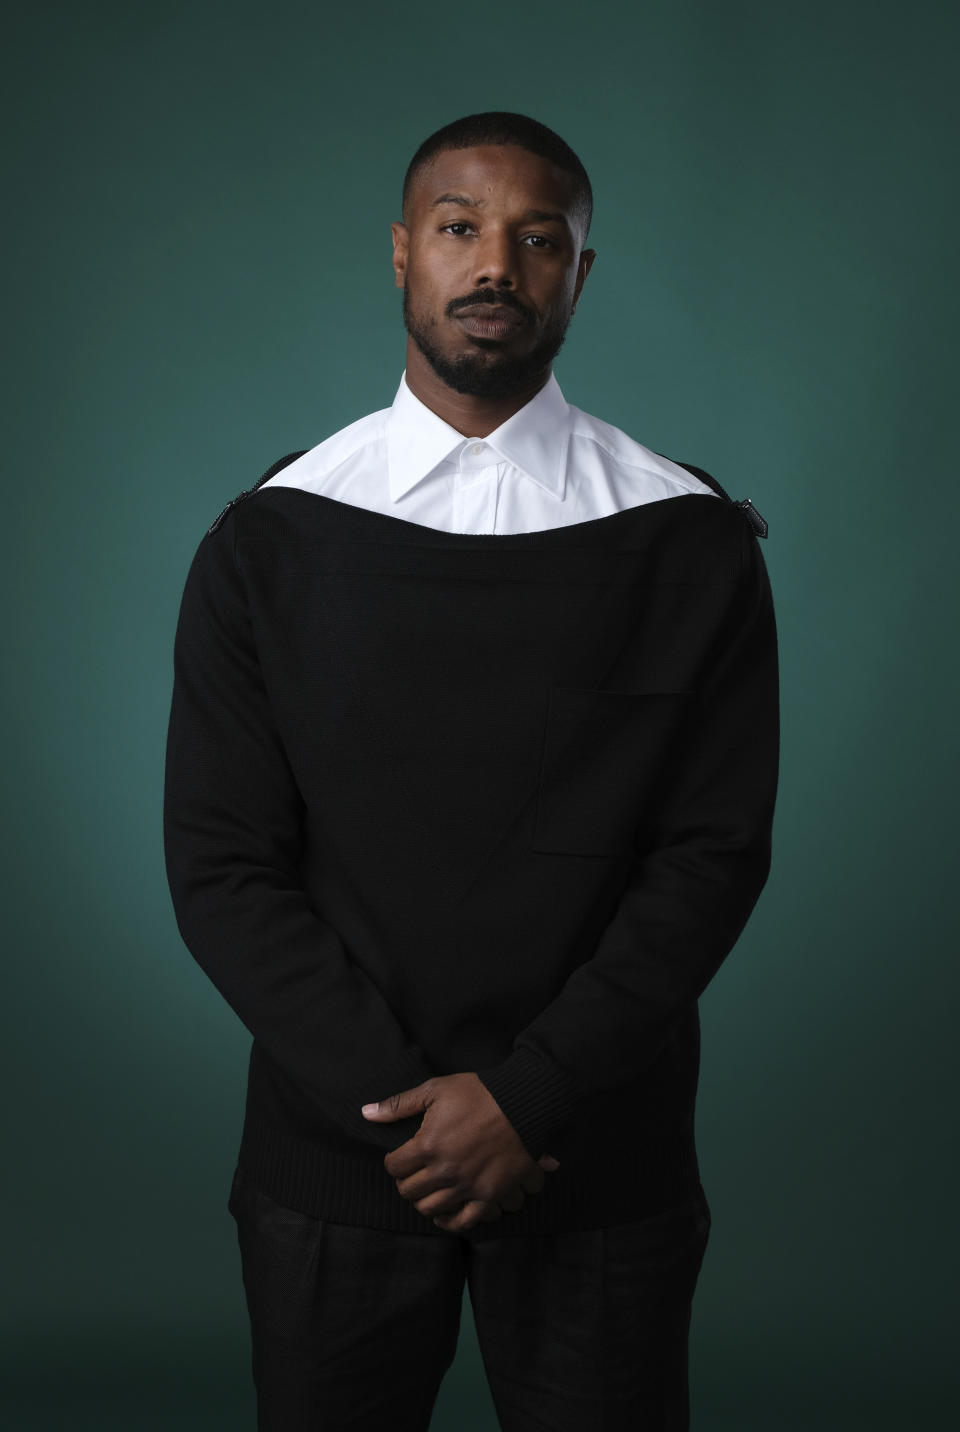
{"x":270,"y":472}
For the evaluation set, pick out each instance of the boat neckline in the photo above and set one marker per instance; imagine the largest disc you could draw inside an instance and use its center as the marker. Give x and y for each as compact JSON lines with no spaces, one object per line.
{"x":353,"y":511}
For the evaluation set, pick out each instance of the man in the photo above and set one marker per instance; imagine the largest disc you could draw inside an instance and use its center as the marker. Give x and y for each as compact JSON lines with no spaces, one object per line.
{"x":470,"y":782}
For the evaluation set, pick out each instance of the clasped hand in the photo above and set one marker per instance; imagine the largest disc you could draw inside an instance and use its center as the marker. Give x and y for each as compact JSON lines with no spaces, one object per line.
{"x":466,"y":1163}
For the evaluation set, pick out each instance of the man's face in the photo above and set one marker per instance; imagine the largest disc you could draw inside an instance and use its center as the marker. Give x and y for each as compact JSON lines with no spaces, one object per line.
{"x":491,"y":225}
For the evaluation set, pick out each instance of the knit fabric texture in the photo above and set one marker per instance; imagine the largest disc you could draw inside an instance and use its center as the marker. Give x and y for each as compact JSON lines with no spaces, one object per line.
{"x":438,"y":802}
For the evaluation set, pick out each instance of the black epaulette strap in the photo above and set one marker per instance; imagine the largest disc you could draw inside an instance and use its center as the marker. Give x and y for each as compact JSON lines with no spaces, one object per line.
{"x":759,"y":524}
{"x":270,"y":472}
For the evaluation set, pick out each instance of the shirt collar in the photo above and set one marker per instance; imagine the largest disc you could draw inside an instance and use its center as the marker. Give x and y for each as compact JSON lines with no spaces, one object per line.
{"x":535,"y":439}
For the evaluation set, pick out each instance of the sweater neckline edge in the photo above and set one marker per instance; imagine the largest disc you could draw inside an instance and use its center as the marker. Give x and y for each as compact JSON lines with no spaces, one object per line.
{"x":353,"y":512}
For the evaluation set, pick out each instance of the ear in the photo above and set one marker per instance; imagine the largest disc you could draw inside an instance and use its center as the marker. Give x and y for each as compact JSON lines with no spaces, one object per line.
{"x":401,"y":240}
{"x":583,"y":268}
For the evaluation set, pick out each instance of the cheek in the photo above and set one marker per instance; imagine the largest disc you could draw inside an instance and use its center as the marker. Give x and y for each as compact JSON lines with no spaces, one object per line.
{"x":437,"y":275}
{"x":553,"y":297}
{"x":555,"y":313}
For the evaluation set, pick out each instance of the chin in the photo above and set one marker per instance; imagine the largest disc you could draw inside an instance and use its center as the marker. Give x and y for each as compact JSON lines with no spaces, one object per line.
{"x":480,"y":378}
{"x":486,"y":370}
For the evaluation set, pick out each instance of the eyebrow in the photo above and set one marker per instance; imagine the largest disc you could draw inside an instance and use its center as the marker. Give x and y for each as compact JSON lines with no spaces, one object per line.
{"x":539,"y":216}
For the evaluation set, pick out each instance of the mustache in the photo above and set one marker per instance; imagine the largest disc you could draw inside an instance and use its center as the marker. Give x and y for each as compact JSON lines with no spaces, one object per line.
{"x":503,"y":300}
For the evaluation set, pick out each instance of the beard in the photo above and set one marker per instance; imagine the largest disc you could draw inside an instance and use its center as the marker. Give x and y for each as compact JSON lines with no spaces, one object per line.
{"x":489,"y":373}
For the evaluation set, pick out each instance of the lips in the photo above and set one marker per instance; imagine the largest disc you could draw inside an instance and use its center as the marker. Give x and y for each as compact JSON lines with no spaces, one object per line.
{"x":489,"y":320}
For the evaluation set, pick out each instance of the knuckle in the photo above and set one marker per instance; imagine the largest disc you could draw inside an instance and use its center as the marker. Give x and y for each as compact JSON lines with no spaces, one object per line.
{"x":439,"y":1203}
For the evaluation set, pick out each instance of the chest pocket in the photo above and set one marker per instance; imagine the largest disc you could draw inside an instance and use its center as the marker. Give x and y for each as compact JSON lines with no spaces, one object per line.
{"x":607,"y":761}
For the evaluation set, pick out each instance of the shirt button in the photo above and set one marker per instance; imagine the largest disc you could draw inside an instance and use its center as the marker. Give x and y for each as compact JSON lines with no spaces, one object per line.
{"x":477,"y":449}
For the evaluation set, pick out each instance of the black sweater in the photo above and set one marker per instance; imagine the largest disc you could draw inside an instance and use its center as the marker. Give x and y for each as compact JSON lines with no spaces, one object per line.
{"x":438,"y":802}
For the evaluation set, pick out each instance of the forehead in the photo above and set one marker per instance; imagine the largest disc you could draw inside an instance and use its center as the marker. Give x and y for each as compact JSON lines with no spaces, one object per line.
{"x":495,"y":174}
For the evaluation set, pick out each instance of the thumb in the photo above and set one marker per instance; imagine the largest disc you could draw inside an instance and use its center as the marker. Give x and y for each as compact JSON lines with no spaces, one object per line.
{"x":398,"y":1106}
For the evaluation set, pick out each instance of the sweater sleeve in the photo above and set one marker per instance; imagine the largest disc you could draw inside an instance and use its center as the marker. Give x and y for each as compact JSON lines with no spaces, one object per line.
{"x":688,"y":897}
{"x":232,"y":821}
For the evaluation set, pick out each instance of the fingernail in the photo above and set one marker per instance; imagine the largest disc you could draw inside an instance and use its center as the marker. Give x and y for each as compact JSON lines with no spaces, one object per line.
{"x":370,"y":1109}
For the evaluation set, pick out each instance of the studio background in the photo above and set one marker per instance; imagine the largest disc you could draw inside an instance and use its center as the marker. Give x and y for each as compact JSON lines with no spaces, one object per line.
{"x":198,"y":258}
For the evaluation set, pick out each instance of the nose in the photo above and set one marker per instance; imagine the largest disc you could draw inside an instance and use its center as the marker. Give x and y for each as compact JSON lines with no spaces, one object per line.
{"x":494,"y":260}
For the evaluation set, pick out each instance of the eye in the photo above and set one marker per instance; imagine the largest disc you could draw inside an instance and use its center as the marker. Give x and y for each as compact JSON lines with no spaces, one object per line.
{"x":539,"y":239}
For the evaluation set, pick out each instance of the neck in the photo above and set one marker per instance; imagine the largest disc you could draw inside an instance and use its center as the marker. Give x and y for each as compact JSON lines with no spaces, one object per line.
{"x":473,"y":417}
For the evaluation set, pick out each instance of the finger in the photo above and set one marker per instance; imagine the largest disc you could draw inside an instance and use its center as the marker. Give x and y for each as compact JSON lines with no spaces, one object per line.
{"x":398,"y":1106}
{"x":406,"y":1160}
{"x":448,"y":1202}
{"x":511,"y":1202}
{"x":472,"y":1213}
{"x":531,"y":1178}
{"x":427,"y":1181}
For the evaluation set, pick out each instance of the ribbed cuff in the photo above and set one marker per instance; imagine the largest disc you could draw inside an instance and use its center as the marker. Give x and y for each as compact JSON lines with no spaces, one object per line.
{"x":405,"y":1072}
{"x":535,"y":1094}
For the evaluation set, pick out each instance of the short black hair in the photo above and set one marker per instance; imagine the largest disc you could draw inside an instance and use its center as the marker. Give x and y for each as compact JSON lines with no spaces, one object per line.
{"x":500,"y":126}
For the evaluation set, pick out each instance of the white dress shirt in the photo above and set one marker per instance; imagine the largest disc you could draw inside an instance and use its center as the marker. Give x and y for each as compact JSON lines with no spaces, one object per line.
{"x":549,"y":465}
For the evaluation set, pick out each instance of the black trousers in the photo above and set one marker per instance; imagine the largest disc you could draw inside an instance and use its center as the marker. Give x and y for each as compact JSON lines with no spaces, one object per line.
{"x":354,"y":1328}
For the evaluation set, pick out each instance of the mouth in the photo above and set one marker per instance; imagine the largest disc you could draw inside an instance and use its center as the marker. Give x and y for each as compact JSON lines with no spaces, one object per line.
{"x":489,"y":320}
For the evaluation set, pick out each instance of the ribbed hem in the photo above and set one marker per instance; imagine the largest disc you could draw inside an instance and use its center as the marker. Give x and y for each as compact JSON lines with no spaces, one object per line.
{"x":638,"y":1182}
{"x":537,"y":1097}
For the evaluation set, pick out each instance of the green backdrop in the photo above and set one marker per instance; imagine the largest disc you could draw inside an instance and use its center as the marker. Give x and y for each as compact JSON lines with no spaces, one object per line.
{"x":199,"y":261}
